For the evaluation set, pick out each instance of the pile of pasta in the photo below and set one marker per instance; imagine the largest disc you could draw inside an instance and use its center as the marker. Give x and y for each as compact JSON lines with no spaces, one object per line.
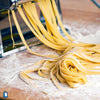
{"x":74,"y":60}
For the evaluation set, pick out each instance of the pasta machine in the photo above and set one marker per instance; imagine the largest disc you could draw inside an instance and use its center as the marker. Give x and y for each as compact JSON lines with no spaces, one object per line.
{"x":6,"y":43}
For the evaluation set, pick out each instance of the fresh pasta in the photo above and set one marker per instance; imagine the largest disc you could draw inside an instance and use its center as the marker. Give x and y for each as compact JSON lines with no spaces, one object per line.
{"x":74,"y":60}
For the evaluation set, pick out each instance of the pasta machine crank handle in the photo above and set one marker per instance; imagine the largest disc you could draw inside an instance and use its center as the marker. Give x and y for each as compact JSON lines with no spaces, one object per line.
{"x":95,"y":2}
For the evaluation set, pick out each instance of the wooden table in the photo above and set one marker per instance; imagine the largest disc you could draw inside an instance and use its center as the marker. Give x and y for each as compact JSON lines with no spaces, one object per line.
{"x":74,"y":11}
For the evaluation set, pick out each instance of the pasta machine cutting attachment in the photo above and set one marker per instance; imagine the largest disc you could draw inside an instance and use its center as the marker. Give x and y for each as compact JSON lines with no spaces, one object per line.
{"x":6,"y":43}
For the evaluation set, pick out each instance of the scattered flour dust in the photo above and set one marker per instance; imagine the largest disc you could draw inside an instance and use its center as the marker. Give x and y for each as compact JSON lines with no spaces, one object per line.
{"x":91,"y":38}
{"x":12,"y":65}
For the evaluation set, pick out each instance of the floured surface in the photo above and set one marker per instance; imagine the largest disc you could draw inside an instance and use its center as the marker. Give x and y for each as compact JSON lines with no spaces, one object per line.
{"x":44,"y":89}
{"x":88,"y":33}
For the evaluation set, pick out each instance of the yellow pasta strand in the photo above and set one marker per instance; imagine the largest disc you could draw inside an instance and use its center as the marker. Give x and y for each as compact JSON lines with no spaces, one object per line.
{"x":76,"y":60}
{"x":11,"y":29}
{"x":22,"y":38}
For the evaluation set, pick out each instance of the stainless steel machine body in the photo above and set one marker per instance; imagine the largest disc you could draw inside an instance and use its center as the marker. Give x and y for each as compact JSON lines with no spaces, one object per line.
{"x":6,"y":44}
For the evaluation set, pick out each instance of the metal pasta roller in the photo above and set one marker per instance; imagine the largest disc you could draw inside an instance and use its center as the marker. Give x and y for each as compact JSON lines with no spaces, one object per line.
{"x":6,"y":43}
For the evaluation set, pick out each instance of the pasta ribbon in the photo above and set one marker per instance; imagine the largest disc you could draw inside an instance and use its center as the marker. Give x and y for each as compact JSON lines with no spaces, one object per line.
{"x":75,"y":60}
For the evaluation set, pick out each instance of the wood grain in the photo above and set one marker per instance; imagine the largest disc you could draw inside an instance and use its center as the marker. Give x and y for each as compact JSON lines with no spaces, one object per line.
{"x":73,"y":11}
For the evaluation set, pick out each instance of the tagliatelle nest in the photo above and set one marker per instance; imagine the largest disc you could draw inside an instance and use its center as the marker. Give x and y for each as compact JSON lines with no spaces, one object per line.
{"x":75,"y":61}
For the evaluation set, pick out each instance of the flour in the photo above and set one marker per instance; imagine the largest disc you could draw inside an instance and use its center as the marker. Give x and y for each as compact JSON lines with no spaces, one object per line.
{"x":12,"y":65}
{"x":91,"y":38}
